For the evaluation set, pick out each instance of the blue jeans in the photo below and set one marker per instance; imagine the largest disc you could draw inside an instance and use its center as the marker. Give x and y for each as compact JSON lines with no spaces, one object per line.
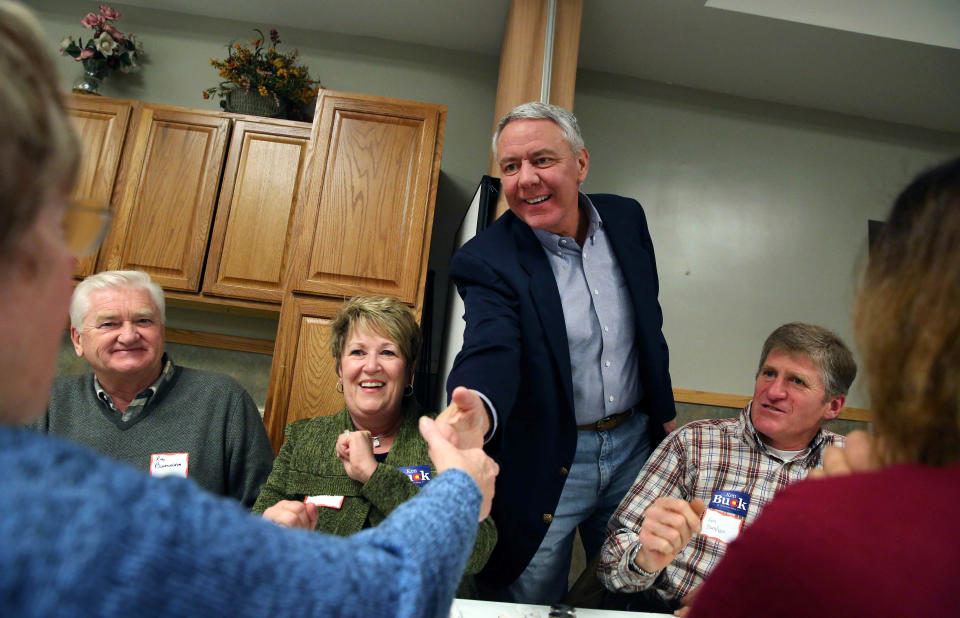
{"x":604,"y":467}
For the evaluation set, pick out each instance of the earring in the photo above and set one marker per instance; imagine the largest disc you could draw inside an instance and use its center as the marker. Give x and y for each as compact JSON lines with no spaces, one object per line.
{"x":408,"y":390}
{"x":339,"y":386}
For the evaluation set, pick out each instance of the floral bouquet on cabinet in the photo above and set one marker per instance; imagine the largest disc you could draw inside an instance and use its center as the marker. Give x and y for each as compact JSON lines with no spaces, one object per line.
{"x":260,"y":80}
{"x":106,"y":51}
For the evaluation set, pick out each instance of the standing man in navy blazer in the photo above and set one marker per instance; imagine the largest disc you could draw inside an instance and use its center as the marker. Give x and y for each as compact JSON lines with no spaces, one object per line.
{"x":564,"y":368}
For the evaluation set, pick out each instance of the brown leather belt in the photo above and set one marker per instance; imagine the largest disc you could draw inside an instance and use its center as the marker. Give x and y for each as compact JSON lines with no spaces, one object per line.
{"x":609,"y":422}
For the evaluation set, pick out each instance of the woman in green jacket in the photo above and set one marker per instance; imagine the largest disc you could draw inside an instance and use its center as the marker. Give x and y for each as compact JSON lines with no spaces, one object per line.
{"x":363,"y":461}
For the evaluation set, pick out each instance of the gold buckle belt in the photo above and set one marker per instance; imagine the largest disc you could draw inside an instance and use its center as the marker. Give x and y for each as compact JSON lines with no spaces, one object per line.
{"x":610,"y":422}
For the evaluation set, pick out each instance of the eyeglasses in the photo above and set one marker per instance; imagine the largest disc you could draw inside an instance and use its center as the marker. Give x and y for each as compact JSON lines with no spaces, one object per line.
{"x":85,"y":223}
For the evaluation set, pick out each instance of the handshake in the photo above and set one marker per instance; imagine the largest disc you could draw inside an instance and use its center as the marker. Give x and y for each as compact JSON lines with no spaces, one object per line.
{"x":455,"y":439}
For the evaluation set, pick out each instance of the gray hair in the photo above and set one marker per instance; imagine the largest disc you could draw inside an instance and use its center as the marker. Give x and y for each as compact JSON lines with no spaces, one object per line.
{"x":535,"y":110}
{"x":39,"y":150}
{"x":110,"y":280}
{"x":825,"y":348}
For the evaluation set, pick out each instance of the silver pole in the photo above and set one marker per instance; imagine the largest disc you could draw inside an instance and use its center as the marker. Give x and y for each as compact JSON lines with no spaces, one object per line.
{"x":548,"y":38}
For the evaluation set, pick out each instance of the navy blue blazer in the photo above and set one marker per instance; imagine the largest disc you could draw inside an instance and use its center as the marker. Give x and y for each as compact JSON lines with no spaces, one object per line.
{"x":515,"y":352}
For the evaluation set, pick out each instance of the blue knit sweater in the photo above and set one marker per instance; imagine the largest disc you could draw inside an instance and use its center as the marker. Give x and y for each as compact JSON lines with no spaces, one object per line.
{"x":83,"y":535}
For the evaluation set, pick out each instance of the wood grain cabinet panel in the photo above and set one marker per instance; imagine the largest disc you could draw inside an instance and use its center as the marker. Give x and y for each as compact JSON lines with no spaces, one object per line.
{"x":366,"y":223}
{"x":249,"y":248}
{"x":303,"y":375}
{"x":171,"y":175}
{"x":102,"y":126}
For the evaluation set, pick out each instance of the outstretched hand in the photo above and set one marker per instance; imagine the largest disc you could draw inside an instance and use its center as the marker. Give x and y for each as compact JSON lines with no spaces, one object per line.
{"x":465,"y":421}
{"x":859,"y":454}
{"x":473,"y":461}
{"x":293,"y":514}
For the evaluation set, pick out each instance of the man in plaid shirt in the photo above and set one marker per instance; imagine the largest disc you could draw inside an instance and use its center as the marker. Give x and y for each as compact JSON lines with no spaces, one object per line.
{"x":655,"y":546}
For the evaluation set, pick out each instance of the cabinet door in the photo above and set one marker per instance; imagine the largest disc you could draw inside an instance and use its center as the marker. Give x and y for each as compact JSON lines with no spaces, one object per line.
{"x":366,"y":223}
{"x":261,"y":183}
{"x":303,"y":375}
{"x":102,"y":126}
{"x":169,"y":181}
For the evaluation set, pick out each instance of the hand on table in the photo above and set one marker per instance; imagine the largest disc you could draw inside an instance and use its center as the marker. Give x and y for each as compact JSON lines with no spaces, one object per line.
{"x":355,"y":450}
{"x":464,"y":422}
{"x":667,"y":526}
{"x":293,"y":514}
{"x":473,"y":461}
{"x":686,"y":602}
{"x":859,"y":454}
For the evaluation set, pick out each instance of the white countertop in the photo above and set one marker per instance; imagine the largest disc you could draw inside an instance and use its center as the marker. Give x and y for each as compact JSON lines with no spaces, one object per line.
{"x":465,"y":608}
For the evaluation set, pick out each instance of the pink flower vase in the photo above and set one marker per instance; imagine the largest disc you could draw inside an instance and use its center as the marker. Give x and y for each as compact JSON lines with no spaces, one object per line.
{"x":95,"y":70}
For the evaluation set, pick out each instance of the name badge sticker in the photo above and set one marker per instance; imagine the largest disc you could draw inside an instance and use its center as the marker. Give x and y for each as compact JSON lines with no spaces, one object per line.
{"x":330,"y":502}
{"x":418,"y":475}
{"x":724,"y":516}
{"x":169,"y":464}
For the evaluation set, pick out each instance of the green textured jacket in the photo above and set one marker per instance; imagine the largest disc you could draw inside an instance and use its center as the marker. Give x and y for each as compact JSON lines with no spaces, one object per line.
{"x":307,"y":465}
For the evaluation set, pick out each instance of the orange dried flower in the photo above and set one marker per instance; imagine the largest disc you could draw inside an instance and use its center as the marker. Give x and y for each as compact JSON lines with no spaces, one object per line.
{"x":266,"y":70}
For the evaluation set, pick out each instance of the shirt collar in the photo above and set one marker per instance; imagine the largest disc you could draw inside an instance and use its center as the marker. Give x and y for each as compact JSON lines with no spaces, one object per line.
{"x":749,"y":433}
{"x":166,"y":375}
{"x":551,"y":242}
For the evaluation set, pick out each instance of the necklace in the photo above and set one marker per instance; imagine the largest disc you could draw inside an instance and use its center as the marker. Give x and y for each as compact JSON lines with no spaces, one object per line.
{"x":386,"y":434}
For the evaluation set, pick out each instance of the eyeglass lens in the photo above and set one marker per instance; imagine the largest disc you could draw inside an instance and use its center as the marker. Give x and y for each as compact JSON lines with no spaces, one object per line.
{"x":85,"y":224}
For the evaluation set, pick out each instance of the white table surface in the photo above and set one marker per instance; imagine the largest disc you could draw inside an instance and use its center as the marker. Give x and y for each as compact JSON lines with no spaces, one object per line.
{"x":465,"y":608}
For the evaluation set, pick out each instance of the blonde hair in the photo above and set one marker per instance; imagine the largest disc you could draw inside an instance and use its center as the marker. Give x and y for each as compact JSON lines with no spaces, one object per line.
{"x":39,"y":151}
{"x":379,"y":314}
{"x":907,"y":321}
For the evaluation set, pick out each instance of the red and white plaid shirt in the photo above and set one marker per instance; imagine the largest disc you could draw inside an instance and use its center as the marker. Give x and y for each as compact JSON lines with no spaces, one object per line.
{"x":693,"y":462}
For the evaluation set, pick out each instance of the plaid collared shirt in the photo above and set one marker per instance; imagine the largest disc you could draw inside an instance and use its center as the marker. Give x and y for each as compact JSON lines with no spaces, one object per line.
{"x":698,"y":459}
{"x":143,"y":397}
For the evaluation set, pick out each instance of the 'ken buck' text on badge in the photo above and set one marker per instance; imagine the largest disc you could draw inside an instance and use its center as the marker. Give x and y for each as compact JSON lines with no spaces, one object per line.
{"x":724,"y":516}
{"x":418,"y":475}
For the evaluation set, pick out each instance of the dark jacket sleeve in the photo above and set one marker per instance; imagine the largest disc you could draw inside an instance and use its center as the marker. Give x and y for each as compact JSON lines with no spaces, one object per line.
{"x":489,"y":361}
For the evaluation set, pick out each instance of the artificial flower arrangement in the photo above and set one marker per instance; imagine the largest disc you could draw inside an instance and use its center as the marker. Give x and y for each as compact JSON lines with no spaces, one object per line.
{"x":108,"y":49}
{"x":265,"y":71}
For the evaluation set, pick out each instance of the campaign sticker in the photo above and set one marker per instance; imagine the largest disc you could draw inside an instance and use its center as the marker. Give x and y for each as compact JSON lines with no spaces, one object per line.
{"x":724,"y":516}
{"x":730,"y":502}
{"x":169,"y":464}
{"x":330,"y":502}
{"x":418,"y":475}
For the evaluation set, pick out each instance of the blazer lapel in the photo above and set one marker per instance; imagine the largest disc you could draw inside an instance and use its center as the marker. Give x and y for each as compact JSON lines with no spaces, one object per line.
{"x":627,"y":248}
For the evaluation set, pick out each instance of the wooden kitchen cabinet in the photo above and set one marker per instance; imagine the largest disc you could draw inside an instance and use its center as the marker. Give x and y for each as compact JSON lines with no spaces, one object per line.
{"x":249,"y":249}
{"x":365,"y":226}
{"x":364,"y":229}
{"x":303,"y":375}
{"x":168,"y":189}
{"x":101,"y":124}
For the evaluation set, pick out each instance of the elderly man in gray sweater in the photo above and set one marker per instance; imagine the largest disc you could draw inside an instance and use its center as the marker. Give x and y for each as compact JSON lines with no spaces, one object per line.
{"x":138,"y":407}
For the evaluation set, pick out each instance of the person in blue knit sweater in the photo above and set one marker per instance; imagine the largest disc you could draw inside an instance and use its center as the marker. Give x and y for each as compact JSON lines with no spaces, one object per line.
{"x":82,"y":535}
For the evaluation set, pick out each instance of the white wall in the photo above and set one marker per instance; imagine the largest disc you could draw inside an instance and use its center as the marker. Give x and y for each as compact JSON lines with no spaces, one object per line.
{"x":758,"y":212}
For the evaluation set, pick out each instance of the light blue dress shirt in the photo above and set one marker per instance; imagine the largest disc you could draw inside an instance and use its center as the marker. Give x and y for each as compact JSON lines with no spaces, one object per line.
{"x":599,"y":317}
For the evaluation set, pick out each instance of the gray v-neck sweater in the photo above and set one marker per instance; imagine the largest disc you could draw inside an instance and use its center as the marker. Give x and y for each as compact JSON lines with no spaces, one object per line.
{"x":209,"y":416}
